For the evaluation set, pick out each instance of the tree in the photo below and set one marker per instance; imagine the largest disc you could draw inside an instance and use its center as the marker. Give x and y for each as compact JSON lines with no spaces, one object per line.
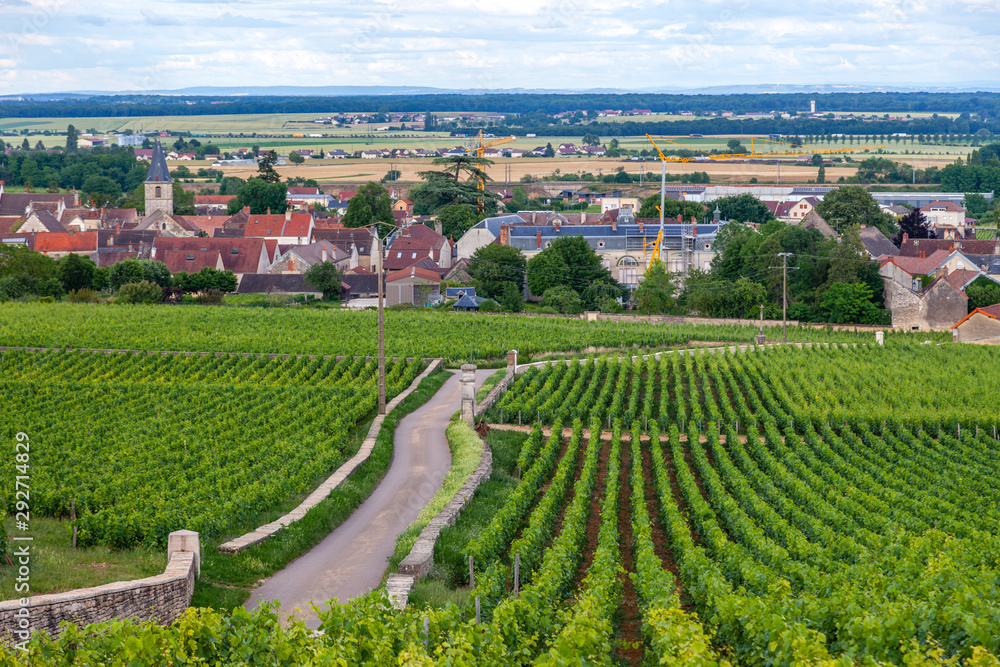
{"x":976,"y":205}
{"x":125,"y":272}
{"x":510,"y":298}
{"x":914,"y":224}
{"x":622,"y":177}
{"x":817,"y":160}
{"x":71,"y":139}
{"x":183,"y":201}
{"x":671,"y":208}
{"x":549,"y":151}
{"x":493,"y":266}
{"x":100,"y":190}
{"x":743,"y":208}
{"x":75,"y":272}
{"x":850,"y":303}
{"x":372,"y":204}
{"x":982,"y":292}
{"x":25,"y":145}
{"x":456,"y":219}
{"x":853,"y":205}
{"x":591,"y":139}
{"x":326,"y":277}
{"x":156,"y":272}
{"x":295,"y":158}
{"x":206,"y":279}
{"x":141,"y":292}
{"x":569,"y":261}
{"x":261,"y":196}
{"x":265,"y":167}
{"x":656,"y":291}
{"x":448,"y":186}
{"x":563,"y":300}
{"x":821,"y":175}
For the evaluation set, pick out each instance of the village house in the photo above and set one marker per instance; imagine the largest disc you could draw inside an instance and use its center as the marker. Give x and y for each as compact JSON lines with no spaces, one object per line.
{"x":414,"y":285}
{"x":981,"y":326}
{"x":298,"y":259}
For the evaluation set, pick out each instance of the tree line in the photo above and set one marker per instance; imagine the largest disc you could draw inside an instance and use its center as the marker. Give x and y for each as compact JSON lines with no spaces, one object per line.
{"x":982,"y":103}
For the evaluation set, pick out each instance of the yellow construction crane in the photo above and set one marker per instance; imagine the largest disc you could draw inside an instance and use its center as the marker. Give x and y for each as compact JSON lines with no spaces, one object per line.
{"x":478,"y":145}
{"x":796,"y":149}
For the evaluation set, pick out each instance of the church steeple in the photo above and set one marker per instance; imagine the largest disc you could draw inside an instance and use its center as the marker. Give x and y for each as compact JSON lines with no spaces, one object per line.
{"x":159,"y":186}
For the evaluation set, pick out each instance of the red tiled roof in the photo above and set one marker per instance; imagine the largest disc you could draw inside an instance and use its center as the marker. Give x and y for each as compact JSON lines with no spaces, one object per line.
{"x":913,"y":247}
{"x":66,"y":242}
{"x":412,"y":272}
{"x":239,"y":255}
{"x":419,"y":231}
{"x":304,"y":191}
{"x":298,"y":225}
{"x":271,"y":246}
{"x":959,"y":279}
{"x":191,"y":261}
{"x":919,"y":266}
{"x":206,"y":200}
{"x":8,"y":222}
{"x":206,"y":223}
{"x":946,"y":205}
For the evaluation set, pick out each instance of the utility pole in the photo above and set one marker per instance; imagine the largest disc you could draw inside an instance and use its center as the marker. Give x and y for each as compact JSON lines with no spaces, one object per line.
{"x":784,"y":292}
{"x":381,"y":327}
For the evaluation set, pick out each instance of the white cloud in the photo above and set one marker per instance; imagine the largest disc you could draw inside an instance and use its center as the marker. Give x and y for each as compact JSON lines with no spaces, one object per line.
{"x":160,"y":44}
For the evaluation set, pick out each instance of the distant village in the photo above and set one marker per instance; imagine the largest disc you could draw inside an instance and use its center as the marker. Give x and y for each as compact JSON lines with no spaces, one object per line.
{"x":924,"y":279}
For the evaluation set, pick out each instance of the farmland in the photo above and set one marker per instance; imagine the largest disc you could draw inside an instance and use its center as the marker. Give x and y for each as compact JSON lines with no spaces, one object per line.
{"x":782,"y":506}
{"x":143,"y":445}
{"x":456,"y":337}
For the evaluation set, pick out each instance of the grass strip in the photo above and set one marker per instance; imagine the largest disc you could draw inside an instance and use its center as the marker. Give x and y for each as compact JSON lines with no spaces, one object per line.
{"x":227,"y":580}
{"x":449,"y":576}
{"x":466,"y":453}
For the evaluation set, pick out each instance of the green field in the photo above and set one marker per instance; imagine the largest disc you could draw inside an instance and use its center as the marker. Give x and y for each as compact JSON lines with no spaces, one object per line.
{"x":456,"y":337}
{"x":784,"y":506}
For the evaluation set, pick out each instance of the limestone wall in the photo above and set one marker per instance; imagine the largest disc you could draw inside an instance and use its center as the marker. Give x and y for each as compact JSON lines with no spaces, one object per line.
{"x":163,"y":598}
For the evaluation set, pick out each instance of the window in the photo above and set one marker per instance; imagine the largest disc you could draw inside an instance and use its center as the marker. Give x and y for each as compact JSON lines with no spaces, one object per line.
{"x":157,"y":192}
{"x":600,"y":244}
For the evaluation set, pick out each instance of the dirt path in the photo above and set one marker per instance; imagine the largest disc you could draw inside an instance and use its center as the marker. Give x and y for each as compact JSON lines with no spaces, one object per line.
{"x":351,"y":560}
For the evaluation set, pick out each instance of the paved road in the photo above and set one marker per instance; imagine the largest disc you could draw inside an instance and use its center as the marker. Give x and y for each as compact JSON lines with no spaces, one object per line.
{"x":351,"y":560}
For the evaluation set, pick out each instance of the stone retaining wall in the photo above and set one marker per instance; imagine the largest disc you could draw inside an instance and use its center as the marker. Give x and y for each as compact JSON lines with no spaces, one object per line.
{"x":336,"y":479}
{"x":163,"y":597}
{"x":418,"y":562}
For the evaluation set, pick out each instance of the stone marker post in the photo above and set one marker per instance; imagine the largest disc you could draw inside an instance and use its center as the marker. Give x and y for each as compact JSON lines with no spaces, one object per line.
{"x":880,"y":337}
{"x":185,"y":541}
{"x":469,"y":393}
{"x":511,"y":363}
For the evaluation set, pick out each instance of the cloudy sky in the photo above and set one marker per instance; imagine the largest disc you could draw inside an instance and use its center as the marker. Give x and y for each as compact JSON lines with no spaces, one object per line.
{"x":58,"y":45}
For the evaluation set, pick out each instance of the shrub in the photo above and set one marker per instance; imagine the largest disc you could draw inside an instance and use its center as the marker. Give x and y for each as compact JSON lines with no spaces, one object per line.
{"x":489,"y":306}
{"x":47,"y":299}
{"x":83,"y":295}
{"x":211,"y":296}
{"x":142,"y":292}
{"x":12,"y":287}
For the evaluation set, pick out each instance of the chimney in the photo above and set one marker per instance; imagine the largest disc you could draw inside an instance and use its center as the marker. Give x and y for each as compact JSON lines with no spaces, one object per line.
{"x":533,"y":214}
{"x":641,"y":226}
{"x":439,"y":228}
{"x":111,"y":239}
{"x":614,"y":223}
{"x":941,"y":272}
{"x":906,"y":237}
{"x":538,"y":240}
{"x":246,"y":209}
{"x":555,"y":223}
{"x":288,"y":214}
{"x":324,"y":252}
{"x":680,"y":219}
